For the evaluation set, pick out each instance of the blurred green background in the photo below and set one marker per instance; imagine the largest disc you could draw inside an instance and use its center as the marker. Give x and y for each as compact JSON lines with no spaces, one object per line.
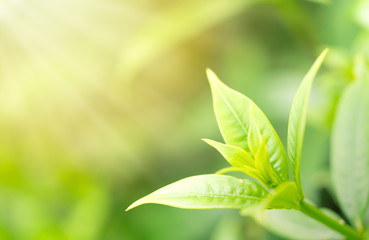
{"x":104,"y":101}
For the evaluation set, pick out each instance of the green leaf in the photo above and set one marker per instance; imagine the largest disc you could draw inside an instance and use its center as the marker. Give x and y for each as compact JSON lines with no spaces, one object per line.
{"x":228,"y":170}
{"x":236,"y":156}
{"x":262,"y":159}
{"x":285,"y":196}
{"x":350,"y":150}
{"x":297,"y":120}
{"x":295,"y":225}
{"x":241,"y":161}
{"x":259,"y":150}
{"x":206,"y":192}
{"x":254,"y":138}
{"x":232,"y":113}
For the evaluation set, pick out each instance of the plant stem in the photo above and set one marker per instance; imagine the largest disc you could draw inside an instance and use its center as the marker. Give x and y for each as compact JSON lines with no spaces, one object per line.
{"x":318,"y":215}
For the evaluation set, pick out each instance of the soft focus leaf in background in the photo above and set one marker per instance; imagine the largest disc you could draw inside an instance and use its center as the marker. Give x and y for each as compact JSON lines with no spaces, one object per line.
{"x":299,"y":225}
{"x":230,"y":227}
{"x":350,"y":151}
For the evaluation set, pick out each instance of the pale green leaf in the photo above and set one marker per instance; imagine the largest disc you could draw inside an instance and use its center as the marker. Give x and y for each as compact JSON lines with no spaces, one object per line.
{"x":206,"y":192}
{"x":258,"y":148}
{"x":295,"y":225}
{"x":241,"y":161}
{"x":261,"y":158}
{"x":236,"y":156}
{"x":285,"y":196}
{"x":232,"y":113}
{"x":263,"y":164}
{"x":254,"y":138}
{"x":297,"y":120}
{"x":228,"y":170}
{"x":350,"y":150}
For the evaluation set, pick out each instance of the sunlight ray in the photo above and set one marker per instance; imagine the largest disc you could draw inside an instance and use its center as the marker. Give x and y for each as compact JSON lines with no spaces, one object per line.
{"x":53,"y":47}
{"x":40,"y":51}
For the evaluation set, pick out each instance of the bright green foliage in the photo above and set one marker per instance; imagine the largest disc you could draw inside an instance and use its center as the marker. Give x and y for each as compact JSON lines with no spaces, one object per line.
{"x":207,"y":191}
{"x":244,"y":162}
{"x":228,"y":170}
{"x":259,"y":150}
{"x":284,"y":196}
{"x":254,"y":137}
{"x":236,"y":156}
{"x":253,"y":147}
{"x":239,"y":159}
{"x":350,"y":149}
{"x":297,"y":120}
{"x":232,"y":110}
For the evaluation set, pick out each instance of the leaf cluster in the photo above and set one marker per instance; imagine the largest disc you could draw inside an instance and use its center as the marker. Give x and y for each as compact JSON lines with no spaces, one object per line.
{"x":252,"y":146}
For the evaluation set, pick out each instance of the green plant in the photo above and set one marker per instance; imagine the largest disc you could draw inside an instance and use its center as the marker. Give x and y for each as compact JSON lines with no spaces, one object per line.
{"x":253,"y":147}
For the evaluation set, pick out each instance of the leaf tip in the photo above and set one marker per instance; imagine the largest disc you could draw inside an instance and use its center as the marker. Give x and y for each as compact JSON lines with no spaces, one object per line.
{"x":208,"y":141}
{"x":212,"y":143}
{"x":209,"y":72}
{"x":135,"y":204}
{"x":325,"y":51}
{"x":129,"y":208}
{"x":212,"y":77}
{"x":323,"y":55}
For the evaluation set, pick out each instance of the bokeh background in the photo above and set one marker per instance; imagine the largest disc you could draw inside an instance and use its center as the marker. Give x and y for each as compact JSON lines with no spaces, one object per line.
{"x":104,"y":101}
